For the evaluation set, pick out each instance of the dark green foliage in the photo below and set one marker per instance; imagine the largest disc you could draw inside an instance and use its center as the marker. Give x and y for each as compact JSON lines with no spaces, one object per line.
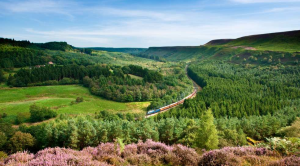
{"x":3,"y":140}
{"x":4,"y":115}
{"x":7,"y":129}
{"x":2,"y":78}
{"x":63,"y":46}
{"x":38,"y":114}
{"x":125,"y":50}
{"x":154,"y":57}
{"x":79,"y":99}
{"x":109,"y":82}
{"x":22,"y":117}
{"x":148,"y":75}
{"x":20,"y":142}
{"x":13,"y":42}
{"x":12,"y":56}
{"x":64,"y":74}
{"x":237,"y":91}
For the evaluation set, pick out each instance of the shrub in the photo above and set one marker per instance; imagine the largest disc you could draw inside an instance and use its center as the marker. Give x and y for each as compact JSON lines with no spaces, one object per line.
{"x":291,"y":131}
{"x":291,"y":161}
{"x":287,"y":146}
{"x":18,"y":158}
{"x":22,"y":117}
{"x":3,"y":139}
{"x":235,"y":156}
{"x":38,"y":114}
{"x":4,"y":115}
{"x":3,"y":155}
{"x":79,"y":99}
{"x":21,"y":141}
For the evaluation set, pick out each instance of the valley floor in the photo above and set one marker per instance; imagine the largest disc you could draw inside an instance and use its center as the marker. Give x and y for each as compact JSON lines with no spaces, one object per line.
{"x":14,"y":101}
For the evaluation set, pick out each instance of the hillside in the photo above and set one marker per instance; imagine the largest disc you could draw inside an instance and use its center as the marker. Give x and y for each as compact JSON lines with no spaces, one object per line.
{"x":124,"y":50}
{"x":282,"y":41}
{"x":181,"y":53}
{"x":264,"y":49}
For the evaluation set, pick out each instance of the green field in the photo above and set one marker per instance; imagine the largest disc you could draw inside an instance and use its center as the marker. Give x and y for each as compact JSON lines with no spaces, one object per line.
{"x":59,"y":98}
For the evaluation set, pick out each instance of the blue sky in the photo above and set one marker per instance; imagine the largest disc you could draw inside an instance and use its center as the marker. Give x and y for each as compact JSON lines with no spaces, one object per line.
{"x":144,"y":23}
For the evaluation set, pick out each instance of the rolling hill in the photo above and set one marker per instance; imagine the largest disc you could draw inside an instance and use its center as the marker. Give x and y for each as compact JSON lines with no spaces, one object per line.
{"x":282,"y":41}
{"x":273,"y":48}
{"x":124,"y":50}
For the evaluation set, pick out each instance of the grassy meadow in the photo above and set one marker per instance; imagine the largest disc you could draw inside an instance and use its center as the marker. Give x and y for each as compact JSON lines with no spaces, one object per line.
{"x":18,"y":100}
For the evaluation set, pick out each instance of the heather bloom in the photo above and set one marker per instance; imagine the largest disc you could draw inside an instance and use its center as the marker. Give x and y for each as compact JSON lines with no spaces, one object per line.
{"x":148,"y":153}
{"x":18,"y":158}
{"x":237,"y":156}
{"x":130,"y":150}
{"x":290,"y":161}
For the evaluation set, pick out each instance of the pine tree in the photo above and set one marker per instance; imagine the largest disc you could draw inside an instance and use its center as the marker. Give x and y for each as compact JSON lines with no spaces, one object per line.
{"x":73,"y":135}
{"x":207,"y":136}
{"x":189,"y":134}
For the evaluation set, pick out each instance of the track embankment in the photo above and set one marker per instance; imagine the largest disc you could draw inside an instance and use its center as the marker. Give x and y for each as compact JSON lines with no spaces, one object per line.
{"x":197,"y":88}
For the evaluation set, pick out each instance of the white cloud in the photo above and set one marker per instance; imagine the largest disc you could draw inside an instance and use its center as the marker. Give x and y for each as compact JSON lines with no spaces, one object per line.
{"x":125,"y":27}
{"x":37,"y":6}
{"x":264,"y":1}
{"x":165,"y":16}
{"x":283,"y":9}
{"x":130,"y":34}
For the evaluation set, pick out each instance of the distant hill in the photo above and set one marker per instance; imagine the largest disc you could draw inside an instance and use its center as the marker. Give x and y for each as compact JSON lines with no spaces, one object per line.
{"x":282,"y":41}
{"x":62,"y":46}
{"x":273,"y":48}
{"x":124,"y":50}
{"x":59,"y":46}
{"x":180,"y":52}
{"x":218,"y":42}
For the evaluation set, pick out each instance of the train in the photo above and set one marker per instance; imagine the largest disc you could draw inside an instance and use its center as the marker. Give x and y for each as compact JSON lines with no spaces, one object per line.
{"x":173,"y":104}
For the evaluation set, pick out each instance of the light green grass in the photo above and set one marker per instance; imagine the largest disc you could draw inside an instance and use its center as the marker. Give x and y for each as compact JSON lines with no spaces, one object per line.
{"x":59,"y":98}
{"x":135,"y":77}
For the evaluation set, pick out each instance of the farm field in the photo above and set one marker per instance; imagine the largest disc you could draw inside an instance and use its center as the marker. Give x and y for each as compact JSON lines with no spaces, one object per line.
{"x":59,"y":98}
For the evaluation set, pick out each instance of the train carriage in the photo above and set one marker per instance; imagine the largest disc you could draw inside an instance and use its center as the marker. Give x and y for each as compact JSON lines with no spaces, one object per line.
{"x":173,"y":104}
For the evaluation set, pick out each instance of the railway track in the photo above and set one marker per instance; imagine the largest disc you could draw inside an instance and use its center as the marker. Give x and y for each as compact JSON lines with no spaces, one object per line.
{"x":173,"y":105}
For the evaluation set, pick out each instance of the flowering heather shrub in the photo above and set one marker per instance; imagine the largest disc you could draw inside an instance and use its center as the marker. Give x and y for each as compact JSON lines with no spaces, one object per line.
{"x":147,"y":153}
{"x":60,"y":156}
{"x":185,"y":155}
{"x":51,"y":157}
{"x":255,"y":160}
{"x":290,"y":161}
{"x":18,"y":158}
{"x":219,"y":157}
{"x":107,"y":152}
{"x":153,"y":148}
{"x":140,"y":159}
{"x":129,"y":150}
{"x":235,"y":156}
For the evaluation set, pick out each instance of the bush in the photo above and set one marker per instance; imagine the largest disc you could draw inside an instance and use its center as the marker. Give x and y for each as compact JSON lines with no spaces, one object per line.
{"x":21,"y":141}
{"x":287,"y":146}
{"x":3,"y":139}
{"x":291,"y":161}
{"x":3,"y":155}
{"x":235,"y":156}
{"x":79,"y":99}
{"x":291,"y":131}
{"x":38,"y":114}
{"x":22,"y":117}
{"x":4,"y":115}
